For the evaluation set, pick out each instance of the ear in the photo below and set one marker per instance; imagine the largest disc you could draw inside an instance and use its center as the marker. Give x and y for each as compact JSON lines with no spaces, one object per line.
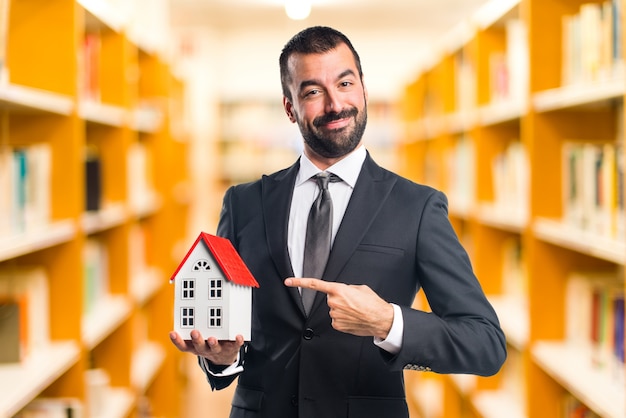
{"x":289,"y":109}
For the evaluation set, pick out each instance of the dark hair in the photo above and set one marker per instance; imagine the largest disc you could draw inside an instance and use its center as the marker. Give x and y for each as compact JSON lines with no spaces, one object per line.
{"x":313,"y":40}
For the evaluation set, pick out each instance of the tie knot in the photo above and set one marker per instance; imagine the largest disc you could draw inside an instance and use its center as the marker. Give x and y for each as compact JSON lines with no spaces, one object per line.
{"x":324,"y":177}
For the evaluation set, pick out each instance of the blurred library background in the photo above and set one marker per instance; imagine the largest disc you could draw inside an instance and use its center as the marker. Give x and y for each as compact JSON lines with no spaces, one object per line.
{"x":122,"y":122}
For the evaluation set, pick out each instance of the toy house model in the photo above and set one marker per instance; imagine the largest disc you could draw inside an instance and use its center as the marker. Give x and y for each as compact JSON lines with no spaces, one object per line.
{"x":213,"y":291}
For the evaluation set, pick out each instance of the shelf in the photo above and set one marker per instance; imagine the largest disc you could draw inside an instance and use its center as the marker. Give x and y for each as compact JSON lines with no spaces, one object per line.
{"x":508,"y":219}
{"x":461,"y":121}
{"x":103,"y":114}
{"x":465,"y":383}
{"x":145,"y":285}
{"x":561,"y":234}
{"x":109,"y":217}
{"x":147,"y":120}
{"x":579,"y":95}
{"x":493,"y":11}
{"x":502,"y":112}
{"x":21,"y":383}
{"x":119,"y":403}
{"x":147,"y":360}
{"x":76,"y":80}
{"x":506,"y":69}
{"x":429,"y":396}
{"x":460,"y":207}
{"x":433,"y":126}
{"x":105,"y":317}
{"x":513,"y":314}
{"x":105,"y":13}
{"x":498,"y":404}
{"x":24,"y":99}
{"x":25,"y":243}
{"x":145,"y":205}
{"x":571,"y":367}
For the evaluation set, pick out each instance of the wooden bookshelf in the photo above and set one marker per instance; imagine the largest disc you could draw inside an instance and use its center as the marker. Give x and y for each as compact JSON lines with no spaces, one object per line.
{"x":512,"y":95}
{"x":74,"y":82}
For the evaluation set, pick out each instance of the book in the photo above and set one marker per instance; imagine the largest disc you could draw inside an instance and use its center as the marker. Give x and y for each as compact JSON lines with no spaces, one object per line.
{"x":510,"y":176}
{"x":12,"y":321}
{"x":465,"y":85}
{"x":619,"y":231}
{"x":594,"y":316}
{"x":618,"y":338}
{"x":592,"y":43}
{"x":499,"y":78}
{"x":6,"y":190}
{"x":25,"y":198}
{"x":52,"y":408}
{"x":30,"y":286}
{"x":573,"y":408}
{"x":517,"y":59}
{"x":140,"y":180}
{"x":93,"y":180}
{"x":38,"y":199}
{"x":97,"y":385}
{"x":4,"y":39}
{"x":617,"y":41}
{"x":514,"y":275}
{"x":590,"y":35}
{"x":571,"y":72}
{"x":592,"y":187}
{"x":89,"y":67}
{"x":20,"y":175}
{"x":460,"y":161}
{"x":95,"y":273}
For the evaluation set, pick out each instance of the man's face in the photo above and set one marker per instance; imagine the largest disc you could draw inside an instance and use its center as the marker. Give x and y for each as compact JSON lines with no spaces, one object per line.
{"x":329,"y":101}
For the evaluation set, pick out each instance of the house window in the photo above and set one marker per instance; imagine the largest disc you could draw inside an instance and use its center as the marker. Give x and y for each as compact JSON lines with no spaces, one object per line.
{"x":188,"y":289}
{"x":215,"y":289}
{"x":215,"y":318}
{"x":186,"y":317}
{"x":201,"y":265}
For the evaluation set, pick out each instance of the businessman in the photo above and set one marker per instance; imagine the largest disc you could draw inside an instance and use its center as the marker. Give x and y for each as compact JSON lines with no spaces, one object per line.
{"x":333,"y":328}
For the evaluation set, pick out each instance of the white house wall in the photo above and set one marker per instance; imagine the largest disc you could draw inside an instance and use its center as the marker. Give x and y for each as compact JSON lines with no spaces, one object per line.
{"x":241,"y":311}
{"x":235,"y":302}
{"x":201,"y":301}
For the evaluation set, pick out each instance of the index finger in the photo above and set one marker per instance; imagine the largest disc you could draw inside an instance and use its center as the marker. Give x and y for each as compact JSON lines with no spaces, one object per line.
{"x":314,"y":284}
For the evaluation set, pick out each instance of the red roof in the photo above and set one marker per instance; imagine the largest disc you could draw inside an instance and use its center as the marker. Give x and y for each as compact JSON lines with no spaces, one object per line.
{"x":233,"y":267}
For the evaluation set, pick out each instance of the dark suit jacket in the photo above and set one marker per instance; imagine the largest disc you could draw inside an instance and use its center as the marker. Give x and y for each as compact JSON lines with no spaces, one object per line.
{"x":395,"y":237}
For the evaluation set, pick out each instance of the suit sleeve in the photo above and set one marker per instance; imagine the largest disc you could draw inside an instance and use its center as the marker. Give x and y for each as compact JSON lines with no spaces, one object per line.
{"x":462,"y":333}
{"x":216,"y":375}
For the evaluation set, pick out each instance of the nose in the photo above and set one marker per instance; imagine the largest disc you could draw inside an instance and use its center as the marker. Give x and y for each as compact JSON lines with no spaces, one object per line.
{"x":333,"y":104}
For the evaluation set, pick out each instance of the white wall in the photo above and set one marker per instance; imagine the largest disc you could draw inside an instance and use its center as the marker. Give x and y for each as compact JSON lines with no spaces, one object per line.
{"x":248,"y":63}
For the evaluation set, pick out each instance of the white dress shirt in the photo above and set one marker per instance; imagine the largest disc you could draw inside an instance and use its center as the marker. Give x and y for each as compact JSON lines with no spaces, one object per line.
{"x":305,"y":192}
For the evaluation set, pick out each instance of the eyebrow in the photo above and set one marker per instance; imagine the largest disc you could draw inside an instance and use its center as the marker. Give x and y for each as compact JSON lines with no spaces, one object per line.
{"x":307,"y":83}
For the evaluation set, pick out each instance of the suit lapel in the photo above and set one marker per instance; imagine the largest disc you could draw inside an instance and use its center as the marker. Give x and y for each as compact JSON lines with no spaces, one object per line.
{"x":277,"y":191}
{"x":370,"y":193}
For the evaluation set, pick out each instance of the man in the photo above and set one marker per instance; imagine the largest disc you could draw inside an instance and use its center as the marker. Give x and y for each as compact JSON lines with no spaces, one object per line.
{"x":344,"y":356}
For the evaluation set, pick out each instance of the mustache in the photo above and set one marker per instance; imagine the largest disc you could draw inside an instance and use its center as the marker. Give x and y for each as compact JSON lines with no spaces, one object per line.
{"x":330,"y":117}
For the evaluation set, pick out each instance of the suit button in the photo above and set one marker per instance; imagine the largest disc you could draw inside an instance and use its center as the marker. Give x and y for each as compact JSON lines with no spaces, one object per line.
{"x":308,"y":334}
{"x":294,"y":400}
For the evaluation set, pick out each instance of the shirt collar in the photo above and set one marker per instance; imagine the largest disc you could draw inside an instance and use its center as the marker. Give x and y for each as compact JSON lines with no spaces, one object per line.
{"x":348,"y":168}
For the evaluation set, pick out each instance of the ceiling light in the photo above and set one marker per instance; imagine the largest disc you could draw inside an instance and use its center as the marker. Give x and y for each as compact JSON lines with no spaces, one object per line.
{"x":298,"y":9}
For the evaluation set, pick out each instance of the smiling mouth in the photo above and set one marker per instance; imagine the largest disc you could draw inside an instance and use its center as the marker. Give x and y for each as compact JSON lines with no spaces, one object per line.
{"x":335,"y":121}
{"x":337,"y":124}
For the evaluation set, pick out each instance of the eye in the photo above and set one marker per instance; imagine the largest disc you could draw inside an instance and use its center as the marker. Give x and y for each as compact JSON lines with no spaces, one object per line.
{"x":311,"y":94}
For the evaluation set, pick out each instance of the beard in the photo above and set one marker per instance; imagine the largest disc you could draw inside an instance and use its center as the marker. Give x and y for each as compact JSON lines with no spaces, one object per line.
{"x":338,"y":142}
